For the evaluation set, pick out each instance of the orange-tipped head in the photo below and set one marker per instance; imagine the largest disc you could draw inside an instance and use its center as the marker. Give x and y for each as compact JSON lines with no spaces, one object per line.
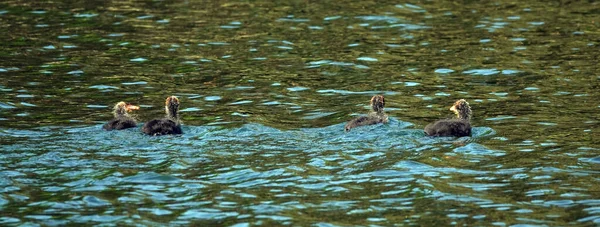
{"x":377,"y":103}
{"x":172,"y":107}
{"x":130,"y":107}
{"x":121,"y":108}
{"x":171,"y":100}
{"x":462,"y":109}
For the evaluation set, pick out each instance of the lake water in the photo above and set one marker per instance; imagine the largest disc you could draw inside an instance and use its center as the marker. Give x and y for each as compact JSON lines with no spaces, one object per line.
{"x":266,"y":88}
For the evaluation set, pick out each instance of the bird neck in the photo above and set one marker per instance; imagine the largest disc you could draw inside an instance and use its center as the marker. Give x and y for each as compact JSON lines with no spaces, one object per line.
{"x":377,"y":107}
{"x":172,"y":113}
{"x":464,"y":115}
{"x":120,"y":112}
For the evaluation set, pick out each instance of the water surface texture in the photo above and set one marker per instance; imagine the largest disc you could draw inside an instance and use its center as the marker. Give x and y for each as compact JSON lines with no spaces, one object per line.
{"x":266,"y":88}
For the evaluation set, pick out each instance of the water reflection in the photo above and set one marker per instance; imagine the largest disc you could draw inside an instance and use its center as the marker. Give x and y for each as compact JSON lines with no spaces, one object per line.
{"x":215,"y":168}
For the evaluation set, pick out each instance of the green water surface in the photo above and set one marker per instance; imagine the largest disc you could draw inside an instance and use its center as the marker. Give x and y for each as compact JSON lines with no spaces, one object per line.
{"x":266,"y":88}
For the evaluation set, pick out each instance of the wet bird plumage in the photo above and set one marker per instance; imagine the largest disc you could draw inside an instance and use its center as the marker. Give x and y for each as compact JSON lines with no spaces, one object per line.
{"x":460,"y":126}
{"x":375,"y":117}
{"x":168,"y":125}
{"x":121,"y":120}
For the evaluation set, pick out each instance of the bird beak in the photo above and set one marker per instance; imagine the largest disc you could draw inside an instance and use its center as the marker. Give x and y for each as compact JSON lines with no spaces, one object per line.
{"x":130,"y":107}
{"x":453,"y":109}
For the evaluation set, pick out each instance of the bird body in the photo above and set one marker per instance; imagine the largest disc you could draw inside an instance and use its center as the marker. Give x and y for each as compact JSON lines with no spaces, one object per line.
{"x":460,"y":126}
{"x":375,"y":117}
{"x":122,"y":119}
{"x":449,"y":127}
{"x":168,"y":125}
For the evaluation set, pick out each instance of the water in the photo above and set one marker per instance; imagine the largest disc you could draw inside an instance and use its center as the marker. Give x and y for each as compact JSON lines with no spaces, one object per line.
{"x":266,"y":88}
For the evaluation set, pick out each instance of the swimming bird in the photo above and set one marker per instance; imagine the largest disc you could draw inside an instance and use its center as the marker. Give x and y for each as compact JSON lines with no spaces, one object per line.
{"x":168,"y":125}
{"x":459,"y":126}
{"x":375,"y":117}
{"x":122,"y":118}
